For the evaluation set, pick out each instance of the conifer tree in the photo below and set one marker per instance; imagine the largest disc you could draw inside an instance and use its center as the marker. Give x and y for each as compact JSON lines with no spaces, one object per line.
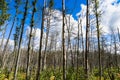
{"x":20,"y":41}
{"x":40,"y":44}
{"x":29,"y":42}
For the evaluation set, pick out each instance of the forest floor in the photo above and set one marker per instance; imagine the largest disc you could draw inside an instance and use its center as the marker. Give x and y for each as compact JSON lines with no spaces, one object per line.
{"x":56,"y":74}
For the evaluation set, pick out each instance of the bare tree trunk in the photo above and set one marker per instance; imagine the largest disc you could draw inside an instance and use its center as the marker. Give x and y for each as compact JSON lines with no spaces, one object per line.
{"x":32,"y":60}
{"x":69,"y":50}
{"x":16,"y":39}
{"x":3,"y":37}
{"x":29,"y":42}
{"x":19,"y":46}
{"x":86,"y":50}
{"x":55,"y":61}
{"x":98,"y":37}
{"x":40,"y":45}
{"x":78,"y":50}
{"x":102,"y":53}
{"x":118,"y":34}
{"x":46,"y":42}
{"x":5,"y":47}
{"x":83,"y":53}
{"x":115,"y":51}
{"x":63,"y":40}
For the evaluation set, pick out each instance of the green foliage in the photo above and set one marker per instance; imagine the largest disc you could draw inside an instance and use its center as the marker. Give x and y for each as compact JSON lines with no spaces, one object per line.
{"x":51,"y":73}
{"x":51,"y":4}
{"x":16,"y":35}
{"x":2,"y":76}
{"x":71,"y":74}
{"x":46,"y":75}
{"x":21,"y":76}
{"x":3,"y":12}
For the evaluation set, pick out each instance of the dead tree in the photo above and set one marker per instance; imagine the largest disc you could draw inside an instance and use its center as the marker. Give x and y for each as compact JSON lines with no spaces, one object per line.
{"x":5,"y":47}
{"x":63,"y":40}
{"x":40,"y":45}
{"x":46,"y":41}
{"x":86,"y":43}
{"x":29,"y":42}
{"x":19,"y":45}
{"x":98,"y":38}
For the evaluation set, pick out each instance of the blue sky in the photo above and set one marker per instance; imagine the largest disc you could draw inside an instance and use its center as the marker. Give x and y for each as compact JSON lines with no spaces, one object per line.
{"x":110,"y":17}
{"x":72,"y":6}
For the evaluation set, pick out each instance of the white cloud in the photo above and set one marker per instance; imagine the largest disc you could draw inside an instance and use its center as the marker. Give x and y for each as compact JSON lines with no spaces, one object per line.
{"x":110,"y":16}
{"x":10,"y":43}
{"x":83,"y":10}
{"x":36,"y":33}
{"x":55,"y":28}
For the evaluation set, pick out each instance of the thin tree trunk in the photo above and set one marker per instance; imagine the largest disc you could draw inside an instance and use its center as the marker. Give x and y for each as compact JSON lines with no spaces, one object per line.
{"x":69,"y":43}
{"x":63,"y":40}
{"x":46,"y":42}
{"x":55,"y":61}
{"x":98,"y":37}
{"x":118,"y":34}
{"x":19,"y":46}
{"x":5,"y":47}
{"x":78,"y":51}
{"x":3,"y":37}
{"x":16,"y":37}
{"x":29,"y":42}
{"x":86,"y":50}
{"x":115,"y":50}
{"x":40,"y":45}
{"x":83,"y":53}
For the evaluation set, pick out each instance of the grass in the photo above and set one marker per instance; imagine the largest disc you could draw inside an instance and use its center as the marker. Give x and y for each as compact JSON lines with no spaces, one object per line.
{"x":51,"y":74}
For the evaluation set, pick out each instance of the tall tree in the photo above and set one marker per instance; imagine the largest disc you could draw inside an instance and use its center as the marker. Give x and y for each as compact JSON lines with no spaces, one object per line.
{"x":46,"y":43}
{"x":115,"y":49}
{"x":51,"y":3}
{"x":11,"y":29}
{"x":30,"y":38}
{"x":69,"y":31}
{"x":20,"y":41}
{"x":63,"y":40}
{"x":40,"y":45}
{"x":98,"y":37}
{"x":86,"y":43}
{"x":16,"y":39}
{"x":78,"y":38}
{"x":82,"y":41}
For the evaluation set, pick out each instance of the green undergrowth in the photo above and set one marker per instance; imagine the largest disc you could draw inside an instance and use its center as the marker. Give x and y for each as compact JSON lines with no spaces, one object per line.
{"x":71,"y":74}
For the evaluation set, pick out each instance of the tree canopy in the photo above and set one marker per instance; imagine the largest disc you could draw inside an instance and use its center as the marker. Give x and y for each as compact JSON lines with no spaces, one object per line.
{"x":3,"y":12}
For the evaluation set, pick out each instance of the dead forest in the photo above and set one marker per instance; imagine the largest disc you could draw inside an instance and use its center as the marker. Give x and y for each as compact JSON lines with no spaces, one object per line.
{"x":42,"y":40}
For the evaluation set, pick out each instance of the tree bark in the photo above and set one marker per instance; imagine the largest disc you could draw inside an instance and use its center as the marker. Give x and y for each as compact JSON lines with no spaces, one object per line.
{"x":46,"y":42}
{"x":86,"y":50}
{"x":19,"y":46}
{"x":40,"y":45}
{"x":29,"y":42}
{"x":63,"y":40}
{"x":78,"y":50}
{"x":98,"y":38}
